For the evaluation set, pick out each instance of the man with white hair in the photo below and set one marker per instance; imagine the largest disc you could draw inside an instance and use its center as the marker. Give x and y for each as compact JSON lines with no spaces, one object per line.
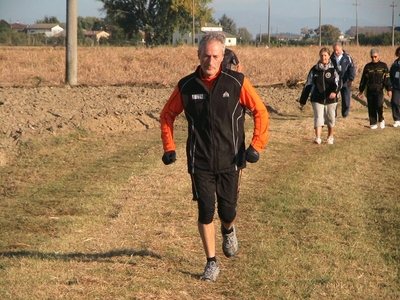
{"x":214,"y":100}
{"x":344,"y":64}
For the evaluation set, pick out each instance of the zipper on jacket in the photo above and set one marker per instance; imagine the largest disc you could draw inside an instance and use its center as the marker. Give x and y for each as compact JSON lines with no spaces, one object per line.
{"x":212,"y":146}
{"x":323,"y":85}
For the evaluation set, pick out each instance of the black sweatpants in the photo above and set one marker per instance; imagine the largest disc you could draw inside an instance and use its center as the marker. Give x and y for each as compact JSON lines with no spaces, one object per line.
{"x":375,"y":107}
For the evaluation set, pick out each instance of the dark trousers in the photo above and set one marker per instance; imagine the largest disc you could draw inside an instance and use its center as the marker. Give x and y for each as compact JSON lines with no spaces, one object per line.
{"x":345,"y":92}
{"x":375,"y":107}
{"x":225,"y":186}
{"x":395,"y":102}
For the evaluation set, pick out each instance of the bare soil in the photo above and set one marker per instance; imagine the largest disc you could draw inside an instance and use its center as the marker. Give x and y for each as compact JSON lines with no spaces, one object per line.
{"x":29,"y":113}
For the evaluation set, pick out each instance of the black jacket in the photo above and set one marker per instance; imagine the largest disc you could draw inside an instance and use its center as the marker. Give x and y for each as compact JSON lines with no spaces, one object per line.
{"x":216,"y":139}
{"x":321,"y":82}
{"x":395,"y":74}
{"x":375,"y":77}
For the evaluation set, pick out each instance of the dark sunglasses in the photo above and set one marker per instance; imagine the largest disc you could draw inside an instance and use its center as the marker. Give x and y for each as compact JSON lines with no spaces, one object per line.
{"x":374,"y":56}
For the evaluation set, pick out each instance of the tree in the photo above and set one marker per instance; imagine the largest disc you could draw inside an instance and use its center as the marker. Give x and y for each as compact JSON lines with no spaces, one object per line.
{"x":157,"y":18}
{"x":307,"y":32}
{"x":48,"y":20}
{"x":382,"y":39}
{"x":4,"y":26}
{"x":244,"y":35}
{"x":228,"y":24}
{"x":91,"y":23}
{"x":329,"y":34}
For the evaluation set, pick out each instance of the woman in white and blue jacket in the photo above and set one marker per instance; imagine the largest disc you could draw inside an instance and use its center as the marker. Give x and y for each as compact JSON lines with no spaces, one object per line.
{"x":323,"y":83}
{"x":395,"y":80}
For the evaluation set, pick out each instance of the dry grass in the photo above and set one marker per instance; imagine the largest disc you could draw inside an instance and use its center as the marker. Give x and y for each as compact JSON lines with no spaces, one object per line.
{"x":88,"y":216}
{"x":21,"y":66}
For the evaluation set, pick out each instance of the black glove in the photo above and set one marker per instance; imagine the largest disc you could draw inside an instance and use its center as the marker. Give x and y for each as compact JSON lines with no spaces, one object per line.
{"x":169,"y":157}
{"x":252,"y":155}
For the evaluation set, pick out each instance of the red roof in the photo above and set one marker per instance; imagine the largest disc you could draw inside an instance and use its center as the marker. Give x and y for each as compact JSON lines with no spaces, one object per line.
{"x":18,"y":26}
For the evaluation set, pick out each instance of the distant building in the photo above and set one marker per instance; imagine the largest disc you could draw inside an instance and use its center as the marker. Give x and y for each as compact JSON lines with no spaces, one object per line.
{"x":178,"y":37}
{"x":48,"y":30}
{"x":287,"y":37}
{"x":96,"y":34}
{"x":18,"y":27}
{"x":372,"y":30}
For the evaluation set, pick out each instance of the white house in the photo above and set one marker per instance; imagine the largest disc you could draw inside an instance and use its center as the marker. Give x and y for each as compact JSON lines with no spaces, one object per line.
{"x":48,"y":30}
{"x":177,"y":37}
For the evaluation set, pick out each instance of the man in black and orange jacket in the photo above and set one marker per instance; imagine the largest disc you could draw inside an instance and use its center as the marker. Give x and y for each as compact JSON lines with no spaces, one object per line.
{"x":214,"y":101}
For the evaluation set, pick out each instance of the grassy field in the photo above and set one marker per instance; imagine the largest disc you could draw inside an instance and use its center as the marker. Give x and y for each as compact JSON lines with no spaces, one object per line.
{"x":44,"y":66}
{"x":90,"y":216}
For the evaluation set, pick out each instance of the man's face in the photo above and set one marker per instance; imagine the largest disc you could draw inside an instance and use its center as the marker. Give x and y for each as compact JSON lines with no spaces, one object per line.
{"x":338,"y":50}
{"x":211,"y":57}
{"x":374,"y":57}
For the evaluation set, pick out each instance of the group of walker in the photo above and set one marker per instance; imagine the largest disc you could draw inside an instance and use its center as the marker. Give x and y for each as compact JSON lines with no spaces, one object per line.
{"x":334,"y":74}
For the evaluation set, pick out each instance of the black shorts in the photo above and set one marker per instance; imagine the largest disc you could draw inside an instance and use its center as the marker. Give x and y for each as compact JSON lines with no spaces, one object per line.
{"x":224,"y":186}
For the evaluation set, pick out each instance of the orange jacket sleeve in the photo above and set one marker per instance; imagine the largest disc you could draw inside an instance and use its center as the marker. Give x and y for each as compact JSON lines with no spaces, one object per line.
{"x":171,"y":110}
{"x":250,"y":98}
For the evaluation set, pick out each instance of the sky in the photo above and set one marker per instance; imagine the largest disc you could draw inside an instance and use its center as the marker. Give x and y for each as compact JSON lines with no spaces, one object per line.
{"x":286,"y":15}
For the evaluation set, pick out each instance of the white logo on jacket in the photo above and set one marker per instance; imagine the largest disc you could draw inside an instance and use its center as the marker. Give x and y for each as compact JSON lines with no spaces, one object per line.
{"x":198,"y":97}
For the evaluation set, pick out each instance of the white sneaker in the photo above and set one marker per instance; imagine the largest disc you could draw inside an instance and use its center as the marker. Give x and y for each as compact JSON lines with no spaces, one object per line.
{"x":374,"y":126}
{"x":382,"y":124}
{"x":330,"y":140}
{"x":317,"y":140}
{"x":396,"y":124}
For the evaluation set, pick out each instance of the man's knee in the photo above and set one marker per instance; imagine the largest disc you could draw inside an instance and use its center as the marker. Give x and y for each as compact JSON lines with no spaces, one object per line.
{"x":226,"y":213}
{"x":206,"y":209}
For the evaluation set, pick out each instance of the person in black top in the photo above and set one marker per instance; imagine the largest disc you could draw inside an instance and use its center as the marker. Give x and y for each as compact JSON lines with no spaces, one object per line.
{"x":323,"y":85}
{"x":395,"y":80}
{"x":230,"y":58}
{"x":214,"y":101}
{"x":375,"y":78}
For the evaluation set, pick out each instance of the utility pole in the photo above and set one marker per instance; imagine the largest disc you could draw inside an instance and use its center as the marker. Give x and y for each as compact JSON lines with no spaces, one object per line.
{"x":320,"y":10}
{"x":393,"y":6}
{"x":72,"y":43}
{"x":193,"y":23}
{"x":357,"y":5}
{"x":269,"y":23}
{"x":260,"y":33}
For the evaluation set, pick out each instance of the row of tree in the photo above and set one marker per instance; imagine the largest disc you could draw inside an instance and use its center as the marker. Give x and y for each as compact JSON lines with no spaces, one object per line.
{"x":131,"y":21}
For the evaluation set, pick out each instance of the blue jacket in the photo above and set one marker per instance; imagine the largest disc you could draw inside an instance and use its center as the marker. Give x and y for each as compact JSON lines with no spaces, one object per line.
{"x":395,"y":74}
{"x":346,"y":67}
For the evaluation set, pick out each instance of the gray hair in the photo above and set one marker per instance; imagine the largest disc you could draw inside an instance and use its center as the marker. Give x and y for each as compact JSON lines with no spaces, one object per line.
{"x":374,"y":51}
{"x":212,"y":36}
{"x":337,"y":44}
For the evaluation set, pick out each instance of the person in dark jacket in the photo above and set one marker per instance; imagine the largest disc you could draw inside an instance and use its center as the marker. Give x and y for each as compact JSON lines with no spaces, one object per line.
{"x":230,"y":58}
{"x":344,"y":63}
{"x":323,"y":83}
{"x":214,"y":100}
{"x":395,"y":81}
{"x":375,"y":78}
